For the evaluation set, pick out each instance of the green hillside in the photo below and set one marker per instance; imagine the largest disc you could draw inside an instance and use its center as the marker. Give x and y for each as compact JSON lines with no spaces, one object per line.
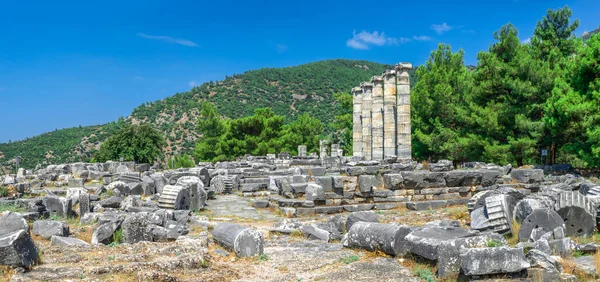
{"x":288,"y":91}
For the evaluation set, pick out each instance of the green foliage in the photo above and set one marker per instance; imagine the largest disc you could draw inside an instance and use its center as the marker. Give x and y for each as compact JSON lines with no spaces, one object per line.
{"x":140,"y":143}
{"x":425,"y":274}
{"x":259,"y":134}
{"x":117,"y":238}
{"x":183,"y":161}
{"x":3,"y":191}
{"x":438,"y":106}
{"x":349,"y":259}
{"x":263,"y":257}
{"x":494,"y":243}
{"x":519,"y":99}
{"x":342,"y":124}
{"x":11,"y":207}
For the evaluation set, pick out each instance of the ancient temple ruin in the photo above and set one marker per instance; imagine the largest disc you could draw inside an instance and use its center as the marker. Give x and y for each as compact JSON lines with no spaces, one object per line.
{"x":381,"y":116}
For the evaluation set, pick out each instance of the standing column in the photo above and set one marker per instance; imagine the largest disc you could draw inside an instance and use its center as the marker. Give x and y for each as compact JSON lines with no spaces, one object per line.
{"x":389,"y":118}
{"x":403,"y":110}
{"x":377,"y":117}
{"x":323,"y":149}
{"x":367,"y":99}
{"x":302,"y":151}
{"x":357,"y":132}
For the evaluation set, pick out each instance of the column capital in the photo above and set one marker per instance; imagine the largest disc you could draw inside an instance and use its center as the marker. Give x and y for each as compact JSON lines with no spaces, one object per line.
{"x":403,"y":66}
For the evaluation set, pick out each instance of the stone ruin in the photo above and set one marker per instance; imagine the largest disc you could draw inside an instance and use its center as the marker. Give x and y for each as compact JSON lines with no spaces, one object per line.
{"x":381,"y":116}
{"x":156,"y":206}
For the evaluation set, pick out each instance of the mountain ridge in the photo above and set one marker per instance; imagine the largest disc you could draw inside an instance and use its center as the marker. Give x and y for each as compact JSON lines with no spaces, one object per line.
{"x":288,"y":91}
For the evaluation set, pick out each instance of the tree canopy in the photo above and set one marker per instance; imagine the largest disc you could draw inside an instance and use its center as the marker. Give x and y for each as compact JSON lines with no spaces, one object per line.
{"x":140,"y":143}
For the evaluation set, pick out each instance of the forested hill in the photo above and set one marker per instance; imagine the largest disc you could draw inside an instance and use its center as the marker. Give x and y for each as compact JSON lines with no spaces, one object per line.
{"x":288,"y":91}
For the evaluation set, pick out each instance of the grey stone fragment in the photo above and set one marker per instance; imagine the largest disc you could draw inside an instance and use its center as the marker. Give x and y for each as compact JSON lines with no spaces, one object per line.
{"x":424,"y":242}
{"x":326,"y":182}
{"x":426,"y":205}
{"x":448,"y":263}
{"x":17,"y":249}
{"x":478,"y":219}
{"x":104,"y":233}
{"x":358,"y":207}
{"x":527,"y":175}
{"x":562,"y":247}
{"x":67,"y":241}
{"x":315,"y":233}
{"x":49,"y":228}
{"x":587,"y":265}
{"x":371,"y":236}
{"x":578,"y":213}
{"x":260,"y":203}
{"x":525,"y":207}
{"x":545,"y":219}
{"x":176,"y":229}
{"x":111,"y":202}
{"x":148,"y":185}
{"x":130,"y":202}
{"x":542,"y":245}
{"x":197,"y":193}
{"x":314,"y":192}
{"x":367,"y":216}
{"x":58,"y":206}
{"x":483,"y":261}
{"x":441,"y":165}
{"x":11,"y":222}
{"x":157,"y":233}
{"x":543,"y":260}
{"x":244,"y":241}
{"x":393,"y":181}
{"x":366,"y":183}
{"x":134,"y":228}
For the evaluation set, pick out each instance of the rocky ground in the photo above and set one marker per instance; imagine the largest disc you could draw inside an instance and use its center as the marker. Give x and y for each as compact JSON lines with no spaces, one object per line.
{"x":196,"y":257}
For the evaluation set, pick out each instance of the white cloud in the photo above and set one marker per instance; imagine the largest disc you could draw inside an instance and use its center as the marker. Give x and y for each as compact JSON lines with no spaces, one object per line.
{"x":441,"y":28}
{"x":280,"y":48}
{"x":526,"y":41}
{"x":192,"y":83}
{"x":364,"y":39}
{"x":422,"y":38}
{"x":169,"y":39}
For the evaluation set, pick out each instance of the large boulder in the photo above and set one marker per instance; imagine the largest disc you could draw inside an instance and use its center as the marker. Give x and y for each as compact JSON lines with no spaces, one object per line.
{"x":527,"y":176}
{"x":59,"y":206}
{"x":49,"y":228}
{"x":104,"y":233}
{"x":424,"y":242}
{"x":11,"y":222}
{"x":448,"y":264}
{"x":198,"y":195}
{"x":17,"y":249}
{"x":134,"y":228}
{"x":367,"y":216}
{"x":484,"y":261}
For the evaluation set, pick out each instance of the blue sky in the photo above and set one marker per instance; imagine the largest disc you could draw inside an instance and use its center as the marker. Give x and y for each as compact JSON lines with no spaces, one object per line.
{"x":70,"y":63}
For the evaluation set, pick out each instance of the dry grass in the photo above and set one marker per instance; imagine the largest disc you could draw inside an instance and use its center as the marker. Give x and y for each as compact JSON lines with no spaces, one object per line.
{"x":6,"y":273}
{"x":597,"y":262}
{"x":513,"y":238}
{"x":425,"y":165}
{"x":459,"y":213}
{"x":85,"y":233}
{"x":570,"y":267}
{"x":373,"y":255}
